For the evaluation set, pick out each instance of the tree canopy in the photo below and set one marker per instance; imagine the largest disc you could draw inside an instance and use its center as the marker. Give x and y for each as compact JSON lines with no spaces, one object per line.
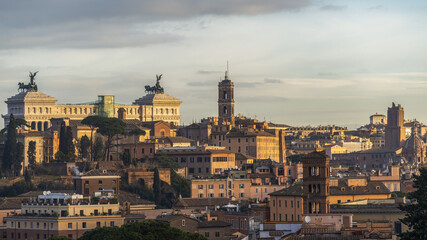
{"x":416,"y":212}
{"x":13,"y":151}
{"x":146,"y":230}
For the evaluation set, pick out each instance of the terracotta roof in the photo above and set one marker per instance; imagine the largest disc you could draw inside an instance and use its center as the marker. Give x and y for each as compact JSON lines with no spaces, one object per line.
{"x":247,"y":133}
{"x":100,"y":172}
{"x":242,"y":156}
{"x":294,"y":190}
{"x":132,"y":198}
{"x":262,"y":175}
{"x":213,"y":224}
{"x":203,"y":202}
{"x":178,"y":140}
{"x":370,"y":188}
{"x":197,"y":151}
{"x":11,"y":203}
{"x":171,"y":217}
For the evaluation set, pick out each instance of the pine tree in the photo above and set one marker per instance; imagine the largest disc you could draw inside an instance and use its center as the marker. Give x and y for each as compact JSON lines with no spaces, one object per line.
{"x":156,"y":186}
{"x":98,"y":149}
{"x":416,"y":212}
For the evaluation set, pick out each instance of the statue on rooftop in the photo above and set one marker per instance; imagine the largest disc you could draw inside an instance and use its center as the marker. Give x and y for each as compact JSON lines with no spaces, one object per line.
{"x":30,"y":87}
{"x":156,"y":88}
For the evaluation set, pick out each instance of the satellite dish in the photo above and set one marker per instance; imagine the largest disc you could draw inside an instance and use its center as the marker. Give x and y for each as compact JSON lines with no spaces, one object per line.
{"x":307,"y":219}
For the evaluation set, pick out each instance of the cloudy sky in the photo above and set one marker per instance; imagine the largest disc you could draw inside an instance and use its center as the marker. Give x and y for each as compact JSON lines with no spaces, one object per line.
{"x":296,"y":62}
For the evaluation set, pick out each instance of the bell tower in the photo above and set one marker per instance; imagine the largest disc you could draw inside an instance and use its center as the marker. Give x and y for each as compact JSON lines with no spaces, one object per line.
{"x":316,"y":183}
{"x":226,"y":101}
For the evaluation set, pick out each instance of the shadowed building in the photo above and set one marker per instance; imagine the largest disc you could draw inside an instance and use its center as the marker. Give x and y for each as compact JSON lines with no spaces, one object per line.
{"x":395,"y":131}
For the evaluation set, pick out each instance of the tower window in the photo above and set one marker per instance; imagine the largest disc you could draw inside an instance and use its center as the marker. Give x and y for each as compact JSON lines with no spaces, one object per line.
{"x":225,"y":110}
{"x":225,"y":95}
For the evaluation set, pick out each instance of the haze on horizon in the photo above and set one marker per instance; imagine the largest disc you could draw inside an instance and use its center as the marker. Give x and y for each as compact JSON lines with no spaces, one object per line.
{"x":296,"y":62}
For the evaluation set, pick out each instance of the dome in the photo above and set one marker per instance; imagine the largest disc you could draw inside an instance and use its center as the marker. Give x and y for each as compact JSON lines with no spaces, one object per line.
{"x":414,"y":148}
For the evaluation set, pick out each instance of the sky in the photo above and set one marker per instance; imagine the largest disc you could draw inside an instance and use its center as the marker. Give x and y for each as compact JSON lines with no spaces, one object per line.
{"x":297,"y":62}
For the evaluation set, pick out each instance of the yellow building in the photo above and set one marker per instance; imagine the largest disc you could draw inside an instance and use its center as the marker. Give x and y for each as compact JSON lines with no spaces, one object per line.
{"x":236,"y":184}
{"x":60,"y":214}
{"x":201,"y":161}
{"x":257,"y":143}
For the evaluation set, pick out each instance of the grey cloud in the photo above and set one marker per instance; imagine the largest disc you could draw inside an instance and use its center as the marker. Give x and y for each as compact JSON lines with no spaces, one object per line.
{"x":270,"y":80}
{"x":110,"y":23}
{"x":208,"y":72}
{"x":202,"y":83}
{"x":331,"y":7}
{"x":260,"y":99}
{"x":246,"y":84}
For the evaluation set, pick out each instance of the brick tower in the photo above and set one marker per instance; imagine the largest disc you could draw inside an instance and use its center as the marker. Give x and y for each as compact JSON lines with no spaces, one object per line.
{"x":316,"y":183}
{"x":394,"y":132}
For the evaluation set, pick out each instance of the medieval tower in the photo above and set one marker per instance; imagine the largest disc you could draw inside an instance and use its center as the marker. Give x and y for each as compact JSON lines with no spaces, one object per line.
{"x":394,"y":132}
{"x":226,"y":101}
{"x":316,"y":183}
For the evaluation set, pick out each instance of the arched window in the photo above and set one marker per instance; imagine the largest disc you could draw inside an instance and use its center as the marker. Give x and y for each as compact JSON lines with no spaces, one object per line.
{"x":167,"y":111}
{"x":34,"y":110}
{"x":225,"y":110}
{"x":161,"y":110}
{"x":33,"y":126}
{"x":318,"y":188}
{"x":225,"y":95}
{"x":45,"y":126}
{"x":309,"y":171}
{"x":172,"y":111}
{"x":309,"y":188}
{"x":40,"y":109}
{"x":39,"y":126}
{"x":314,"y":189}
{"x":47,"y":110}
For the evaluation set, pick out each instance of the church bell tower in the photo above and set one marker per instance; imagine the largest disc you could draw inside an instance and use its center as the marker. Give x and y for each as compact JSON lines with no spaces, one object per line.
{"x":226,"y":101}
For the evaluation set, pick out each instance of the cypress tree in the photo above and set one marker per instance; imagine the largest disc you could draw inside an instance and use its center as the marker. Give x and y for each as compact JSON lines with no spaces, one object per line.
{"x":31,"y":153}
{"x":156,"y":186}
{"x":69,"y":141}
{"x":84,"y":146}
{"x":9,"y":154}
{"x":62,"y":139}
{"x":17,"y":163}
